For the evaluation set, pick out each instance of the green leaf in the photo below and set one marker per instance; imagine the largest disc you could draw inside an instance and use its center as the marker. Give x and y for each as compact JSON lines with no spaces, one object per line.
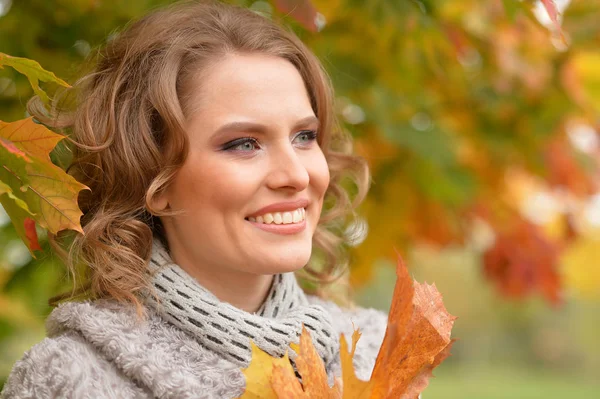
{"x":5,"y":189}
{"x":34,"y":72}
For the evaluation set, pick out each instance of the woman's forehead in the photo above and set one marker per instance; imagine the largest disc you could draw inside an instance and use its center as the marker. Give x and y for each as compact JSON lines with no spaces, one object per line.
{"x":257,"y":87}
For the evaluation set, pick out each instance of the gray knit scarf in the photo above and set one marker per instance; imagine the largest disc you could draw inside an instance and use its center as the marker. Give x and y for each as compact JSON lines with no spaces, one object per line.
{"x":227,"y":330}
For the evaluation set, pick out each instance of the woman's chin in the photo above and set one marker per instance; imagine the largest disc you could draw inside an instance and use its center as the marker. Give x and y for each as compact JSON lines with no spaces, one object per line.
{"x":286,"y":263}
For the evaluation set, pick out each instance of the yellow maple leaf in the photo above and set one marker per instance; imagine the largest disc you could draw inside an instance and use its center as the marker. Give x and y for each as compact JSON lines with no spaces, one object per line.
{"x":353,"y":387}
{"x":259,"y":374}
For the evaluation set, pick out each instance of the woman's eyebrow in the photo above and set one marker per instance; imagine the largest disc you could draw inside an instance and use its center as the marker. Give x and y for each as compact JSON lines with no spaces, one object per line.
{"x":260,"y":128}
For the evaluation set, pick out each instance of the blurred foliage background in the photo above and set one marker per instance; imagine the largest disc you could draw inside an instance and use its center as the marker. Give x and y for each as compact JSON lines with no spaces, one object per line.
{"x":480,"y":120}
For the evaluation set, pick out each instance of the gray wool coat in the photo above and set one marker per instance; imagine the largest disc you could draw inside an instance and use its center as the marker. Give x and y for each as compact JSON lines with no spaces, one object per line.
{"x":98,"y":350}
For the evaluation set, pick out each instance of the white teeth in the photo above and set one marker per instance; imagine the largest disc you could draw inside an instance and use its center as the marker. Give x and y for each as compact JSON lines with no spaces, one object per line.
{"x":287,"y":218}
{"x":296,"y":216}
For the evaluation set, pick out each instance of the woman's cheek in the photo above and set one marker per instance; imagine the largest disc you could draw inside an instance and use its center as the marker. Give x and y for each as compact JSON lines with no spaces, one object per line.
{"x":320,"y":173}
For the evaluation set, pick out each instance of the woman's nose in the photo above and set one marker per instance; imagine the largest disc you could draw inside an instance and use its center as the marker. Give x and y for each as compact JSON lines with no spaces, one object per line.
{"x":287,"y":169}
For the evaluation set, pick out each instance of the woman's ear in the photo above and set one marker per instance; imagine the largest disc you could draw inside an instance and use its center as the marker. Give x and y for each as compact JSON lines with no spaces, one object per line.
{"x":160,"y":201}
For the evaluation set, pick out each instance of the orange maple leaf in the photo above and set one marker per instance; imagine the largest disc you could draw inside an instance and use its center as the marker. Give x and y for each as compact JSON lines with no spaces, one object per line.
{"x":310,"y":367}
{"x":416,"y":341}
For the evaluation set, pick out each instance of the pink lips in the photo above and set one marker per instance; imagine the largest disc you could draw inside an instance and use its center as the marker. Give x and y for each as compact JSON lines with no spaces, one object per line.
{"x":285,"y":229}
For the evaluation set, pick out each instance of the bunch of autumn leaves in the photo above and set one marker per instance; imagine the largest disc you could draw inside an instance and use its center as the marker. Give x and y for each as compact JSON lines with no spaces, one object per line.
{"x":416,"y":341}
{"x":34,"y":191}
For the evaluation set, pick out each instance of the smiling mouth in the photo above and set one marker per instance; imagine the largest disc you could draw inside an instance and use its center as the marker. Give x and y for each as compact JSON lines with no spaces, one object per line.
{"x":294,"y":217}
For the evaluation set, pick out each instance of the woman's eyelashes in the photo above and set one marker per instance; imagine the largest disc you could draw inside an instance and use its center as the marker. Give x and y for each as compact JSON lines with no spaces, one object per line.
{"x":245,"y":144}
{"x":308,"y":135}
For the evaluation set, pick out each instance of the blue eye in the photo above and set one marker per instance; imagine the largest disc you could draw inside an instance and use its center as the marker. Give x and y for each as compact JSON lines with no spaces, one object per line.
{"x":310,"y":135}
{"x":243,"y":144}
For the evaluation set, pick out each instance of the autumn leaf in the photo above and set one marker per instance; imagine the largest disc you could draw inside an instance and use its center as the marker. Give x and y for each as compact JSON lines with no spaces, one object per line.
{"x":416,"y":341}
{"x":285,"y":384}
{"x":34,"y":72}
{"x":353,"y":387}
{"x":5,"y":189}
{"x":522,"y":260}
{"x":19,"y":210}
{"x":311,"y":368}
{"x":259,"y":373}
{"x":32,"y":188}
{"x":33,"y":138}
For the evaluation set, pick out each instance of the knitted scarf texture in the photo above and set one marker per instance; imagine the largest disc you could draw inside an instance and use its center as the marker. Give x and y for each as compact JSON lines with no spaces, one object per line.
{"x":227,"y":330}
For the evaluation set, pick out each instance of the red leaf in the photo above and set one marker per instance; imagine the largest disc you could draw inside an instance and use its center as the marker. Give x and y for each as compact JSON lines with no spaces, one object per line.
{"x":13,"y":149}
{"x":31,"y":234}
{"x":522,"y":261}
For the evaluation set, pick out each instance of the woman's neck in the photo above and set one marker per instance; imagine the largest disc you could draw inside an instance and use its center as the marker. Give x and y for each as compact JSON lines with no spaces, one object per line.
{"x":245,"y":291}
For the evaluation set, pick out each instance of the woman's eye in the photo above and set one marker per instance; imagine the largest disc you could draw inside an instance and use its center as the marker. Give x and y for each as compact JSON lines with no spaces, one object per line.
{"x":244,"y":144}
{"x":307,"y":136}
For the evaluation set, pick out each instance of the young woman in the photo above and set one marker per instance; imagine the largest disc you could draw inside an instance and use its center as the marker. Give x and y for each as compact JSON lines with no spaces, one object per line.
{"x":207,"y":136}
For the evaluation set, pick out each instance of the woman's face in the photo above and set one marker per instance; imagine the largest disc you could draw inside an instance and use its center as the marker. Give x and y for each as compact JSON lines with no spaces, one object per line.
{"x":251,"y":133}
